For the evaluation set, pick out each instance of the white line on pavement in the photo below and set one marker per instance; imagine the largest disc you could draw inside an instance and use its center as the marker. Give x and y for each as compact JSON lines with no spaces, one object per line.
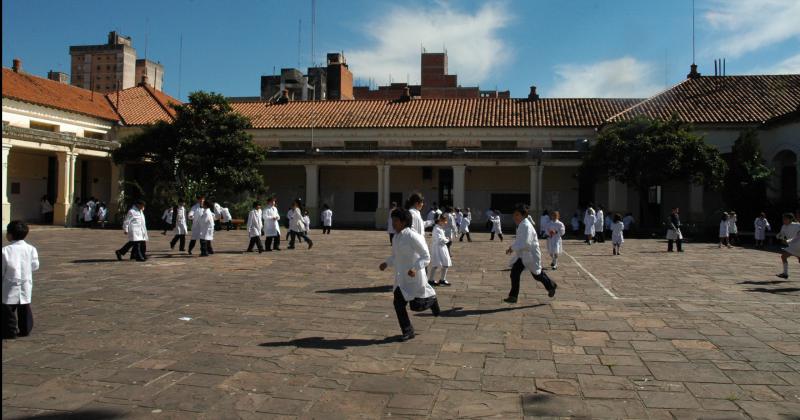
{"x":591,"y":276}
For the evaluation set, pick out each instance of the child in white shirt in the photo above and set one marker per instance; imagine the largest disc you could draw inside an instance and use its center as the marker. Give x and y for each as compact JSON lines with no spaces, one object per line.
{"x":617,"y":227}
{"x":761,"y":225}
{"x":724,"y":231}
{"x":555,"y":230}
{"x":497,"y":226}
{"x":440,"y":254}
{"x":20,"y":260}
{"x":790,"y":232}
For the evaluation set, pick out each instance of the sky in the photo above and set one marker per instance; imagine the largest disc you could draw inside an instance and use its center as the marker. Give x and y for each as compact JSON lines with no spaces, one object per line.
{"x":567,"y":48}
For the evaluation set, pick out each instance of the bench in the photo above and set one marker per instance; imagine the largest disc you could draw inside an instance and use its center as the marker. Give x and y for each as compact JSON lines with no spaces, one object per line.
{"x":237,"y":223}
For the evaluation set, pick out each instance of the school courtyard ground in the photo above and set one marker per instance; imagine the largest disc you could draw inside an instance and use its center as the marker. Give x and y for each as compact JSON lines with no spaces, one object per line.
{"x":708,"y":333}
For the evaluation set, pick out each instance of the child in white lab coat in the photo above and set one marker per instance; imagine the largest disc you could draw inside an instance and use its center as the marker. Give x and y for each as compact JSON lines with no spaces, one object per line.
{"x":254,"y":226}
{"x":599,"y":225}
{"x":166,"y":219}
{"x":206,"y":226}
{"x":733,"y":230}
{"x":526,"y":255}
{"x":465,"y":222}
{"x":102,"y":214}
{"x":589,"y":222}
{"x":790,"y":232}
{"x":617,"y":227}
{"x":724,"y":231}
{"x":272,"y":229}
{"x":226,"y":218}
{"x":497,"y":226}
{"x":450,"y":229}
{"x":414,"y":205}
{"x":196,"y":210}
{"x":440,"y":254}
{"x":20,"y":260}
{"x":135,"y":227}
{"x":389,"y":227}
{"x":327,"y":219}
{"x":555,"y":230}
{"x":544,"y":222}
{"x":761,"y":225}
{"x":180,"y":229}
{"x":298,"y":225}
{"x":409,"y":257}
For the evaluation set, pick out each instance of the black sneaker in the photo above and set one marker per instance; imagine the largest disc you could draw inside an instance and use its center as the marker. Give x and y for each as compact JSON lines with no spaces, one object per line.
{"x":552,"y":291}
{"x":119,"y":255}
{"x":407,"y":336}
{"x":444,"y":283}
{"x":310,"y":244}
{"x":510,"y":299}
{"x":432,"y":283}
{"x":783,"y":276}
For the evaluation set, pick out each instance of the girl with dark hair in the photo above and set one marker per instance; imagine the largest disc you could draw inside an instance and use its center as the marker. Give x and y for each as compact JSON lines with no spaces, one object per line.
{"x":409,"y":257}
{"x":414,"y":204}
{"x":297,"y":225}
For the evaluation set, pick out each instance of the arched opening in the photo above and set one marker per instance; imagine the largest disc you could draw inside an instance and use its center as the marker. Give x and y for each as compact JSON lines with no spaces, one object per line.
{"x":785,"y":164}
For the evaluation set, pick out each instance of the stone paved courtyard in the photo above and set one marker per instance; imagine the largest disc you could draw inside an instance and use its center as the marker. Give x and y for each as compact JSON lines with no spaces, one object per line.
{"x":311,"y":334}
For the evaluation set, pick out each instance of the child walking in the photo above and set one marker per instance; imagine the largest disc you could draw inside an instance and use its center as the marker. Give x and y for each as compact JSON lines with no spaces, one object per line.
{"x":761,"y":225}
{"x":733,"y":230}
{"x":327,"y":219}
{"x":617,"y":227}
{"x":497,"y":226}
{"x":180,"y":227}
{"x":589,"y":221}
{"x":20,"y":260}
{"x":440,"y":253}
{"x":136,"y":228}
{"x":555,"y":229}
{"x":526,"y":255}
{"x":272,"y":229}
{"x":389,"y":227}
{"x":205,"y":225}
{"x":724,"y":231}
{"x":465,"y":222}
{"x":167,"y":218}
{"x":255,"y":225}
{"x":298,"y":225}
{"x":409,"y":257}
{"x":790,"y":232}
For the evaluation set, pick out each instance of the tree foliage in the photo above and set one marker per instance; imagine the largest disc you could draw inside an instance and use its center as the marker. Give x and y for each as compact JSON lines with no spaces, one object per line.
{"x":748,"y":176}
{"x":205,"y":150}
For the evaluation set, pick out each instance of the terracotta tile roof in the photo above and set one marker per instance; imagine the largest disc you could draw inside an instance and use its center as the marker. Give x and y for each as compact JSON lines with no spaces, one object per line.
{"x":723,"y":99}
{"x":476,"y":112}
{"x":40,"y":91}
{"x":142,"y":105}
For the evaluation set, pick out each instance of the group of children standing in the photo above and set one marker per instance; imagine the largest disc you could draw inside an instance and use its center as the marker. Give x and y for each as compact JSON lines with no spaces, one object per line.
{"x":93,"y":211}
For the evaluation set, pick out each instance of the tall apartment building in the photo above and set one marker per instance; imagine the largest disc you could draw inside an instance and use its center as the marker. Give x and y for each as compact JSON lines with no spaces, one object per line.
{"x":334,"y":81}
{"x":112,"y":66}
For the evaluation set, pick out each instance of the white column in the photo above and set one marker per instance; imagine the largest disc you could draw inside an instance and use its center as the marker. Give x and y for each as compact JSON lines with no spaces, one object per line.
{"x":458,"y":186}
{"x":72,"y":158}
{"x":62,"y":205}
{"x":540,"y":190}
{"x":6,"y":187}
{"x":381,"y":186}
{"x":114,"y":189}
{"x":535,"y":188}
{"x":696,"y":203}
{"x":387,"y":187}
{"x":312,"y":186}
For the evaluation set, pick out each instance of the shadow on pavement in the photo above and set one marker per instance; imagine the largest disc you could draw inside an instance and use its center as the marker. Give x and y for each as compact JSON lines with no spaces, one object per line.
{"x":460,"y":312}
{"x":780,"y":291}
{"x":332,"y":344}
{"x":81,"y":414}
{"x":763,"y":282}
{"x":96,"y":260}
{"x":372,"y":289}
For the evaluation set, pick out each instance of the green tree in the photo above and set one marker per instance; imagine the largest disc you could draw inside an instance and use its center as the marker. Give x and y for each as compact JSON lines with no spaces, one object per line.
{"x":747,"y":178}
{"x":645,"y":152}
{"x":205,"y":150}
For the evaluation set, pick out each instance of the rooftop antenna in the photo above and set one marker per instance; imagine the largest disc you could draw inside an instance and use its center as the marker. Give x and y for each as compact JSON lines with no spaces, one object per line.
{"x":313,"y":28}
{"x":299,"y":28}
{"x":180,"y":65}
{"x":693,"y":59}
{"x":146,"y":35}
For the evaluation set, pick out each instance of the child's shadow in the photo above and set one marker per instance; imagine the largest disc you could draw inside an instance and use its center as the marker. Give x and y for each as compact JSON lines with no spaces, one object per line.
{"x":459,"y":312}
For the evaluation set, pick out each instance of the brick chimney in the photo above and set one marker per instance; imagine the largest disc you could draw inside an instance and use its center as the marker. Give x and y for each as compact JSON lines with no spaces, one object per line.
{"x":533,"y":95}
{"x":693,"y":74}
{"x":17,"y":66}
{"x":406,"y":96}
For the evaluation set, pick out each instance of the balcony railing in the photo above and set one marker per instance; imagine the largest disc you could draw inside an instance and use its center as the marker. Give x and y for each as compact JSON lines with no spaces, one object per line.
{"x":61,"y":139}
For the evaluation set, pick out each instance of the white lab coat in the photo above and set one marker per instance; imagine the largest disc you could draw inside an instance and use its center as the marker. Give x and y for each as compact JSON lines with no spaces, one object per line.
{"x":389,"y":226}
{"x":791,"y":234}
{"x":306,"y":223}
{"x":20,"y":260}
{"x":88,"y":213}
{"x":497,"y":224}
{"x":451,"y":230}
{"x":270,"y":217}
{"x":204,"y":220}
{"x":440,"y":255}
{"x":254,"y":223}
{"x":526,"y":247}
{"x":46,"y":207}
{"x":761,"y":228}
{"x":724,"y":229}
{"x":410,"y":252}
{"x":732,"y":228}
{"x":225,"y":215}
{"x":180,"y":222}
{"x":135,"y":225}
{"x":167,"y":216}
{"x":296,"y":223}
{"x":599,"y":222}
{"x":327,"y":217}
{"x":417,"y":224}
{"x":102,"y":214}
{"x":194,"y":216}
{"x":589,"y":221}
{"x":217,"y":211}
{"x":555,"y":230}
{"x":459,"y":219}
{"x":616,"y":232}
{"x":465,"y":222}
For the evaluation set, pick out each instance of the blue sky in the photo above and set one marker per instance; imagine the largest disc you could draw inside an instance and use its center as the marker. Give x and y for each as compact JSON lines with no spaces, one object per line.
{"x":566,"y":48}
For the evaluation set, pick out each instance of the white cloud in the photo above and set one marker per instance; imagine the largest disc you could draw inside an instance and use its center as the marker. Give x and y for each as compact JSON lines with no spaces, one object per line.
{"x":790,"y":65}
{"x":473,"y":44}
{"x":624,"y":77}
{"x":742,"y":26}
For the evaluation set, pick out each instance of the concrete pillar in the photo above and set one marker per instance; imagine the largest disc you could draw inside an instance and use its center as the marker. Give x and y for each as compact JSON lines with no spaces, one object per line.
{"x":115,"y":189}
{"x":536,"y":189}
{"x":312,"y":193}
{"x":380,"y":185}
{"x":387,"y":187}
{"x":381,"y":212}
{"x":696,"y":203}
{"x":458,"y":186}
{"x":6,"y":187}
{"x":63,"y":202}
{"x":71,"y":216}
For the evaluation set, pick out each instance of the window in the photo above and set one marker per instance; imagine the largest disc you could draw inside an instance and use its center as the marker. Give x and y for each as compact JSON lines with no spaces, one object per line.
{"x":429,"y":145}
{"x":360,"y":145}
{"x":43,"y":126}
{"x":93,"y":135}
{"x":296,"y":145}
{"x":506,"y":202}
{"x":365,"y":201}
{"x":499,"y":145}
{"x":563,"y":145}
{"x":654,"y":194}
{"x":15,"y":188}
